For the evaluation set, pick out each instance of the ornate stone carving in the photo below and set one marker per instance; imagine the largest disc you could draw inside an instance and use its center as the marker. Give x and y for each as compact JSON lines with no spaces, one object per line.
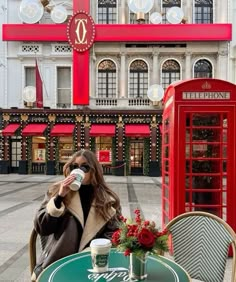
{"x":51,"y":117}
{"x":24,"y":117}
{"x":120,"y":125}
{"x":79,"y":118}
{"x":6,"y":117}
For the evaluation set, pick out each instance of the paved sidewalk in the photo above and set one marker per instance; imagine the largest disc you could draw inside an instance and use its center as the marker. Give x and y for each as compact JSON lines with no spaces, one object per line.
{"x":21,"y":195}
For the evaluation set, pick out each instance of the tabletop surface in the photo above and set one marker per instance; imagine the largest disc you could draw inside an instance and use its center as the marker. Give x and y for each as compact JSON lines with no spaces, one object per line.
{"x":78,"y":267}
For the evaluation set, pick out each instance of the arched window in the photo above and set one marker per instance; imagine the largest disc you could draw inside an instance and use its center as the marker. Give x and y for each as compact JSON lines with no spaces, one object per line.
{"x":107,"y":79}
{"x":170,"y":73}
{"x":203,"y":11}
{"x":203,"y":68}
{"x":166,"y":5}
{"x":138,"y":74}
{"x":107,"y":12}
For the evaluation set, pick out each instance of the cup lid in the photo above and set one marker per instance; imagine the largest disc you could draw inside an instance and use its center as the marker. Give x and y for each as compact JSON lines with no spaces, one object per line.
{"x":77,"y":171}
{"x":100,"y":242}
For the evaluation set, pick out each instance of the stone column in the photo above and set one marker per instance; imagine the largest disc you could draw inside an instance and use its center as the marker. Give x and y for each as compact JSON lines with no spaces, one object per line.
{"x":122,"y":76}
{"x":188,"y":68}
{"x":121,"y":15}
{"x":154,"y":167}
{"x":120,"y":139}
{"x":93,"y":71}
{"x":222,"y":64}
{"x":221,"y":12}
{"x":24,"y":119}
{"x":78,"y":145}
{"x":154,"y":142}
{"x":155,"y":73}
{"x":188,"y":11}
{"x":5,"y":143}
{"x":86,"y":132}
{"x":51,"y":119}
{"x":79,"y":120}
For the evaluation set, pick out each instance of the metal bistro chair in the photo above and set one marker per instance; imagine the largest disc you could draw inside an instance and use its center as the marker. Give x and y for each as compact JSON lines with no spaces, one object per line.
{"x":201,"y":242}
{"x":37,"y":242}
{"x":34,"y":242}
{"x":32,"y":250}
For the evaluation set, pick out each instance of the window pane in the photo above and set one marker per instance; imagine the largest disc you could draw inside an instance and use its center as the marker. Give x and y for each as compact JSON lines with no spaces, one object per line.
{"x":64,"y":86}
{"x":30,"y":76}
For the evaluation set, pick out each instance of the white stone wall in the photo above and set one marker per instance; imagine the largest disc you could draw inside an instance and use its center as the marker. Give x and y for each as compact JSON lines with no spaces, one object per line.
{"x":3,"y":56}
{"x":232,"y":56}
{"x":13,"y":56}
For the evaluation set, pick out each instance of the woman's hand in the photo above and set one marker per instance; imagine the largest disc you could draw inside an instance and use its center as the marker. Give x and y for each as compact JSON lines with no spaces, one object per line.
{"x":65,"y":185}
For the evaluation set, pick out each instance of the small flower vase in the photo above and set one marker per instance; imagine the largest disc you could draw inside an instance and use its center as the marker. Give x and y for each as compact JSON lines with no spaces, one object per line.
{"x":137,"y":267}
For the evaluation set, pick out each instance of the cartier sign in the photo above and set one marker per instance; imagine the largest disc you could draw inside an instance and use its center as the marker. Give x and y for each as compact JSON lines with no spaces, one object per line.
{"x":81,"y":31}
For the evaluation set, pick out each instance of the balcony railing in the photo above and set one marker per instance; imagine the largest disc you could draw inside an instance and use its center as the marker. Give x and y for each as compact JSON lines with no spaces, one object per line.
{"x":64,"y":105}
{"x":121,"y":103}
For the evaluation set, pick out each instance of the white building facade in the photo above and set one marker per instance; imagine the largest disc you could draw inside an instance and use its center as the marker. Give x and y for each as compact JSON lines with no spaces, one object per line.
{"x":120,"y":74}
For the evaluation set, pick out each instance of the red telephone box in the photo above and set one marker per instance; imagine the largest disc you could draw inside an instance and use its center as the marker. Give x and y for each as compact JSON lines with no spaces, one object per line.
{"x":198,"y":149}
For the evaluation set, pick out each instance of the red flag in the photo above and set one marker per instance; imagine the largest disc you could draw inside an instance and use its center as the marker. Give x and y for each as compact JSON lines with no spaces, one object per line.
{"x":39,"y":88}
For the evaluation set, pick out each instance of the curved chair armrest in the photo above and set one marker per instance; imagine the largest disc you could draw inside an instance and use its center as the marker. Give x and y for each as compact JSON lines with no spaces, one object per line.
{"x":32,"y":250}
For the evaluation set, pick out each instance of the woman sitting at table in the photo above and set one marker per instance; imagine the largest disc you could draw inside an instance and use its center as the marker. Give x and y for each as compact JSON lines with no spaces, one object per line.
{"x":71,"y":219}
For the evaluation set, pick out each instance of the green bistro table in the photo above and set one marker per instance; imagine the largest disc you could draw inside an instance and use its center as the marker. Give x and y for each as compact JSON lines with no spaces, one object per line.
{"x":78,"y":268}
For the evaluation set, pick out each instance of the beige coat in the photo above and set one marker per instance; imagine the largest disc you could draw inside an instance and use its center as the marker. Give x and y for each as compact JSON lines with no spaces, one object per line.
{"x":61,"y":227}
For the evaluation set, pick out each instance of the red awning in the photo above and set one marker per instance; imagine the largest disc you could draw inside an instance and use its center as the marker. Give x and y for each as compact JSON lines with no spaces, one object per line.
{"x":34,"y":129}
{"x":10,"y":129}
{"x":102,"y":130}
{"x":63,"y":130}
{"x":136,"y":130}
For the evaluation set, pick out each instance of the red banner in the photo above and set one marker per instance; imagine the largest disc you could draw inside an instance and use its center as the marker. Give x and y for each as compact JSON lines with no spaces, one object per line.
{"x":39,"y":88}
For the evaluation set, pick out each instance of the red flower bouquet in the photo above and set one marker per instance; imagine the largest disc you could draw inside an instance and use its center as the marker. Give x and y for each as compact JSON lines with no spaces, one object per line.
{"x":139,"y":237}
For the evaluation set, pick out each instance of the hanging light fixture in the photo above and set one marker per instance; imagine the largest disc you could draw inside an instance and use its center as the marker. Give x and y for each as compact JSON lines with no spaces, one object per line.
{"x":59,"y":14}
{"x":175,"y":15}
{"x":31,"y":11}
{"x":140,"y":8}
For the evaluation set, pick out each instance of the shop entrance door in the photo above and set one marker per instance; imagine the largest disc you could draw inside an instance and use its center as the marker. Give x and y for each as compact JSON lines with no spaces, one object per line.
{"x":15,"y":155}
{"x":136,"y":156}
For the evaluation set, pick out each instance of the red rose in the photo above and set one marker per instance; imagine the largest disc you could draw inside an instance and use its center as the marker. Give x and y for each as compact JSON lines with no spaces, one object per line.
{"x":116,"y":237}
{"x":146,"y":238}
{"x":127,"y":252}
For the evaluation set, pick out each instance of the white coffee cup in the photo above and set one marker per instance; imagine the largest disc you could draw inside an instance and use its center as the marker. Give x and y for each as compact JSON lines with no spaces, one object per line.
{"x":100,"y":250}
{"x":75,"y":185}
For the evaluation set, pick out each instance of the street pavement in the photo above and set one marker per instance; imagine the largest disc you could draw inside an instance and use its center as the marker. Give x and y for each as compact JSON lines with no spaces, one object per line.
{"x":21,"y":195}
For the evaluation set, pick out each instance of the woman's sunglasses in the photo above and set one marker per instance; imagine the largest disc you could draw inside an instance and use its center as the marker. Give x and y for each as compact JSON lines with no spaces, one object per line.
{"x":84,"y":167}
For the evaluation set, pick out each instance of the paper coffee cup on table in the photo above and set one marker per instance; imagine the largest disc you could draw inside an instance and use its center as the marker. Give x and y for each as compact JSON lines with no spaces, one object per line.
{"x":100,"y":250}
{"x":75,"y":185}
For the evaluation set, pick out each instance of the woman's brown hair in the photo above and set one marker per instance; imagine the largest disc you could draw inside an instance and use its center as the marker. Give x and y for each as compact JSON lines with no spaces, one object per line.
{"x":102,"y":193}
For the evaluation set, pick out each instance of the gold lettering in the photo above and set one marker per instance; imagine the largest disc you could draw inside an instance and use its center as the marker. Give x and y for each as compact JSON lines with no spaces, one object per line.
{"x":108,"y":120}
{"x":81,"y":31}
{"x":205,"y":95}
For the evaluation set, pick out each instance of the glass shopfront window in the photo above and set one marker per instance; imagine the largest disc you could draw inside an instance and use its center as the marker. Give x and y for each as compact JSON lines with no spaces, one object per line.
{"x":65,"y":145}
{"x":39,"y":149}
{"x":103,"y":148}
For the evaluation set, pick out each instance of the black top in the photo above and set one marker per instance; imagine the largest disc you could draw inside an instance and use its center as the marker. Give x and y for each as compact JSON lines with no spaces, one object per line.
{"x":86,"y":193}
